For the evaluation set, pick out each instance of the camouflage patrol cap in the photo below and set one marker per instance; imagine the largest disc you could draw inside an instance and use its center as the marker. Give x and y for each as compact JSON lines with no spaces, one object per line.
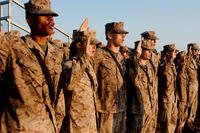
{"x":94,"y":41}
{"x":39,"y":7}
{"x":83,"y":35}
{"x":149,"y":35}
{"x":194,"y":46}
{"x":169,"y":48}
{"x":124,"y":49}
{"x":115,"y":27}
{"x":78,"y":35}
{"x":181,"y":54}
{"x":147,"y":45}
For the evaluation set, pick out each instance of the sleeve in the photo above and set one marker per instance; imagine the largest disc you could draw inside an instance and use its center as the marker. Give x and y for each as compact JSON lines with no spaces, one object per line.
{"x":4,"y":55}
{"x":97,"y":60}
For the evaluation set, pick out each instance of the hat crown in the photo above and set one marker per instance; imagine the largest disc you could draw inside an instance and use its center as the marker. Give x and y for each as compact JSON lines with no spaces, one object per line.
{"x":115,"y":27}
{"x":181,"y":54}
{"x":147,"y":45}
{"x":77,"y":34}
{"x":39,"y":7}
{"x":194,"y":46}
{"x":169,"y":47}
{"x":149,"y":35}
{"x":35,"y":5}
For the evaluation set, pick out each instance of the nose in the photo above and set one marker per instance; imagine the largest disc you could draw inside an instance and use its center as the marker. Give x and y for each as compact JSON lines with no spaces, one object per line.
{"x":51,"y":19}
{"x":123,"y":35}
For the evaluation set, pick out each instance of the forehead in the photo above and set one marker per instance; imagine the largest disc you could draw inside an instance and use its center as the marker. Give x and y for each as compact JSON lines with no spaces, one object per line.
{"x":38,"y":17}
{"x":118,"y":34}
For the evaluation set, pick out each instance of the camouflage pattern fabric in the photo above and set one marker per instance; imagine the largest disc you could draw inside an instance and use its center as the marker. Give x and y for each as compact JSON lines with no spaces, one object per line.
{"x":111,"y":92}
{"x":182,"y":83}
{"x":27,"y":101}
{"x":192,"y":89}
{"x":112,"y":122}
{"x":80,"y":86}
{"x":167,"y":114}
{"x":142,"y":102}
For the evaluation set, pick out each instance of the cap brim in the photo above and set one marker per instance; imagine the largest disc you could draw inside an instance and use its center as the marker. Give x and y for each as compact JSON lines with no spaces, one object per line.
{"x":43,"y":12}
{"x":121,"y":32}
{"x":195,"y":49}
{"x":148,"y":48}
{"x":154,"y":38}
{"x":94,"y":41}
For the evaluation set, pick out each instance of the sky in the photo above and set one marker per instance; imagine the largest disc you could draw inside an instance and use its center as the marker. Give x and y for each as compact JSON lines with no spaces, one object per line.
{"x":175,"y":21}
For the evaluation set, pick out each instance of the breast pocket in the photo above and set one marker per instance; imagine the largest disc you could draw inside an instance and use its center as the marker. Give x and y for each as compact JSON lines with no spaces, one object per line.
{"x":30,"y":69}
{"x":106,"y":69}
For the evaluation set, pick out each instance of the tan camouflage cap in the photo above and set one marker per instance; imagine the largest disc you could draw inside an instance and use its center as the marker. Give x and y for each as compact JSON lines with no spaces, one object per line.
{"x":115,"y":27}
{"x":194,"y":46}
{"x":169,"y":48}
{"x":82,"y":35}
{"x":149,"y":35}
{"x":147,"y":45}
{"x":39,"y":7}
{"x":124,"y":49}
{"x":94,"y":41}
{"x":78,"y":35}
{"x":181,"y":54}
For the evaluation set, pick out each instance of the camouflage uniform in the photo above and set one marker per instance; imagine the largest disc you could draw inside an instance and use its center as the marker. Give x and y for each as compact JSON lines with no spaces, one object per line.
{"x":155,"y":58}
{"x":27,"y":96}
{"x":192,"y":91}
{"x":167,"y":114}
{"x":111,"y":93}
{"x":80,"y":86}
{"x":182,"y":84}
{"x":149,"y":36}
{"x":142,"y":96}
{"x":30,"y":97}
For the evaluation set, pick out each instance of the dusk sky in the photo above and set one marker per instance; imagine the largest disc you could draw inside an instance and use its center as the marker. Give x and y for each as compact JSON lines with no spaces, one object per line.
{"x":175,"y":21}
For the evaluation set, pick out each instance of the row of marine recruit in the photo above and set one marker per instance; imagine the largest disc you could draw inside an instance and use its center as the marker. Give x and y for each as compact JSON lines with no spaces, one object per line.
{"x":85,"y":86}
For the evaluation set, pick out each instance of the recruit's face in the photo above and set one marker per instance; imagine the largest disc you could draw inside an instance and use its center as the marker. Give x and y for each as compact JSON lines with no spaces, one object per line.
{"x":152,"y":41}
{"x":92,"y":49}
{"x":146,"y":54}
{"x":42,"y":25}
{"x":118,"y":39}
{"x":195,"y":52}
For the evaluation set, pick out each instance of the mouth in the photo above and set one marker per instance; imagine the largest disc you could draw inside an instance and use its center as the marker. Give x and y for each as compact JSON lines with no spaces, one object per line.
{"x":51,"y":26}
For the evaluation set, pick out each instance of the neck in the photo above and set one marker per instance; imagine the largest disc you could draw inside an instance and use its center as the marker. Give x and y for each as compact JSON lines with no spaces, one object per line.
{"x":42,"y":40}
{"x":113,"y":48}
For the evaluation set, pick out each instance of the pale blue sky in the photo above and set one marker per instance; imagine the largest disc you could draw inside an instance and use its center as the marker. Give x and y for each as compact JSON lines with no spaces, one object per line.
{"x":175,"y":21}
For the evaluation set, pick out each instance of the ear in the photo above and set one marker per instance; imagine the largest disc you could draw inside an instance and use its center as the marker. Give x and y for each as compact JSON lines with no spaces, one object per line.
{"x":109,"y":35}
{"x":29,"y":21}
{"x":78,"y":45}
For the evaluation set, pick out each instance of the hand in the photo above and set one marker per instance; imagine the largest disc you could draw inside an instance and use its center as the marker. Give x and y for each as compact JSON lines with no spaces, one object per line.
{"x":139,"y":47}
{"x":164,"y":115}
{"x":87,"y":50}
{"x":190,"y":50}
